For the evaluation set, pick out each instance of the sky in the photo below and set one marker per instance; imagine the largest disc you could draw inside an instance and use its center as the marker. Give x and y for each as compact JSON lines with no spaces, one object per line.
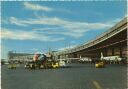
{"x":29,"y":27}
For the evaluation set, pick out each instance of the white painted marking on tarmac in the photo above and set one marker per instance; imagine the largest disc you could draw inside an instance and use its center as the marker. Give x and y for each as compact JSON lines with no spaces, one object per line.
{"x":97,"y":85}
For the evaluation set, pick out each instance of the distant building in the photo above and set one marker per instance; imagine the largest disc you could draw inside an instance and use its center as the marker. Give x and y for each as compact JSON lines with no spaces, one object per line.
{"x":20,"y":56}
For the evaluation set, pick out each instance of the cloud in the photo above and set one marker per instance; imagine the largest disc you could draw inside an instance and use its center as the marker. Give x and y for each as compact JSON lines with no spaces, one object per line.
{"x":4,"y":21}
{"x":74,"y":29}
{"x":15,"y":21}
{"x":36,"y":7}
{"x":26,"y":35}
{"x":114,"y":21}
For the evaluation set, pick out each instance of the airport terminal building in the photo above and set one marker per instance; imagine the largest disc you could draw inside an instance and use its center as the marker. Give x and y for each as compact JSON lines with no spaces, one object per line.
{"x":19,"y":56}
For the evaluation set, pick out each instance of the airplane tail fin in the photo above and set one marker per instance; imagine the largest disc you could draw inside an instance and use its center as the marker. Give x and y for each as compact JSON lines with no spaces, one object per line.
{"x":102,"y":56}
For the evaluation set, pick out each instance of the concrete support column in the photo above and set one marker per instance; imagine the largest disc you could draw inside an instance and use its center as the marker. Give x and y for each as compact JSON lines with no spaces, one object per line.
{"x":112,"y":51}
{"x":120,"y":51}
{"x":105,"y":52}
{"x":109,"y":52}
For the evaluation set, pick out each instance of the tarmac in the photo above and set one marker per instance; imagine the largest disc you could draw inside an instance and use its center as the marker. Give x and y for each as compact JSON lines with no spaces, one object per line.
{"x":77,"y":76}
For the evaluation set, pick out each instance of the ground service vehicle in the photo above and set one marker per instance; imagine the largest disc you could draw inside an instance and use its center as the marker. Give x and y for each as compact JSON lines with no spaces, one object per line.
{"x":55,"y":65}
{"x":42,"y":65}
{"x":42,"y":61}
{"x":11,"y":66}
{"x":29,"y":64}
{"x":100,"y":64}
{"x":62,"y":63}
